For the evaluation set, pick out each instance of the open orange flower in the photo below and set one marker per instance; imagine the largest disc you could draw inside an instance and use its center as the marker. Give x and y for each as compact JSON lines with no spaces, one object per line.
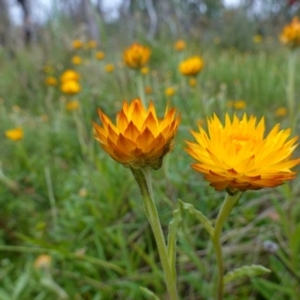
{"x":70,"y":87}
{"x":237,"y":156}
{"x":139,"y":139}
{"x":290,"y":35}
{"x":179,"y":45}
{"x":191,"y":66}
{"x":136,"y":56}
{"x":77,"y":44}
{"x":69,"y":75}
{"x":15,"y":134}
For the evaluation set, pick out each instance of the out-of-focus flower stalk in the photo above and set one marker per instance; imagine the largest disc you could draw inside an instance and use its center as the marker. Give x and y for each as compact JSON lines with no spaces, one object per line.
{"x":141,"y":88}
{"x":291,"y":86}
{"x":11,"y":185}
{"x":81,"y":130}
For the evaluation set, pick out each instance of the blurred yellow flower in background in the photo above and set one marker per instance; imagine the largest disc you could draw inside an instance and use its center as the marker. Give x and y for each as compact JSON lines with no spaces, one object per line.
{"x":145,"y":70}
{"x":179,"y":45}
{"x":76,"y":60}
{"x":257,"y":39}
{"x":109,"y":68}
{"x":91,"y":44}
{"x":170,"y":91}
{"x":192,"y":82}
{"x":148,"y":90}
{"x":43,"y":261}
{"x":72,"y":105}
{"x":15,"y":134}
{"x":100,"y":55}
{"x":69,"y":75}
{"x":239,"y":104}
{"x":77,"y":44}
{"x":139,"y":139}
{"x":191,"y":66}
{"x":237,"y":156}
{"x":51,"y":81}
{"x":290,"y":35}
{"x":281,"y":112}
{"x":70,"y":87}
{"x":136,"y":56}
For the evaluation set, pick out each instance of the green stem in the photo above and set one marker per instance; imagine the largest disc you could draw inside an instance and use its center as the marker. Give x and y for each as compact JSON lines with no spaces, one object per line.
{"x":143,"y":178}
{"x":141,"y":90}
{"x":224,"y":212}
{"x":291,"y":85}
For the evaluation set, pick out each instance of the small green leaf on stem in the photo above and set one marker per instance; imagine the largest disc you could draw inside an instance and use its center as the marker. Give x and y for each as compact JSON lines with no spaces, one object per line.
{"x":150,"y":294}
{"x":250,"y":271}
{"x":198,"y":215}
{"x":172,"y":238}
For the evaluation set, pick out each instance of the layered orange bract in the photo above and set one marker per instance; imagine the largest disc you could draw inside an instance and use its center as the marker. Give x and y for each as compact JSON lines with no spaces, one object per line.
{"x":191,"y":66}
{"x":15,"y":134}
{"x":290,"y":35}
{"x":138,"y":139}
{"x":136,"y":56}
{"x":237,"y":156}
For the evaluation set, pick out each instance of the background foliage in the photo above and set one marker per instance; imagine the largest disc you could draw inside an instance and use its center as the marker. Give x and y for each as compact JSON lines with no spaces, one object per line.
{"x":83,"y":210}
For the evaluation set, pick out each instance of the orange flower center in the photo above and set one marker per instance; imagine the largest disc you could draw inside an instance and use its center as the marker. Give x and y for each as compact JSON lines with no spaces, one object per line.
{"x":239,"y":139}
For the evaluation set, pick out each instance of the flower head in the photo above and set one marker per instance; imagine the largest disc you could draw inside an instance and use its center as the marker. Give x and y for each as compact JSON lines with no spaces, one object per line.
{"x":237,"y":156}
{"x":51,"y":81}
{"x":290,"y":35}
{"x":180,"y":45}
{"x":191,"y":66}
{"x":72,"y":105}
{"x":77,"y":44}
{"x":70,"y":87}
{"x":148,"y":90}
{"x":136,"y":56}
{"x":192,"y":82}
{"x":139,"y":139}
{"x":170,"y":91}
{"x":281,"y":112}
{"x":43,"y":261}
{"x":15,"y":134}
{"x":144,"y":70}
{"x":69,"y":75}
{"x":109,"y":68}
{"x":91,"y":44}
{"x":100,"y":55}
{"x":257,"y":39}
{"x":76,"y":60}
{"x":239,"y":104}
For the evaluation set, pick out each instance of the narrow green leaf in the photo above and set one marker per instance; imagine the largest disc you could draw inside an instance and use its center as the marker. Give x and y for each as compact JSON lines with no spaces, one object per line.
{"x":149,"y":293}
{"x":249,"y":271}
{"x":198,"y":215}
{"x":51,"y":285}
{"x":172,"y":239}
{"x":295,"y":241}
{"x":270,"y":289}
{"x":20,"y":285}
{"x":4,"y":295}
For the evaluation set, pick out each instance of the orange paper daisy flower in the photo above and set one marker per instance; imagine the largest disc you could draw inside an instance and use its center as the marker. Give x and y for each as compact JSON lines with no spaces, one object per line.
{"x":139,"y":139}
{"x":15,"y":134}
{"x":237,"y":156}
{"x":136,"y":56}
{"x":290,"y":35}
{"x":191,"y":66}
